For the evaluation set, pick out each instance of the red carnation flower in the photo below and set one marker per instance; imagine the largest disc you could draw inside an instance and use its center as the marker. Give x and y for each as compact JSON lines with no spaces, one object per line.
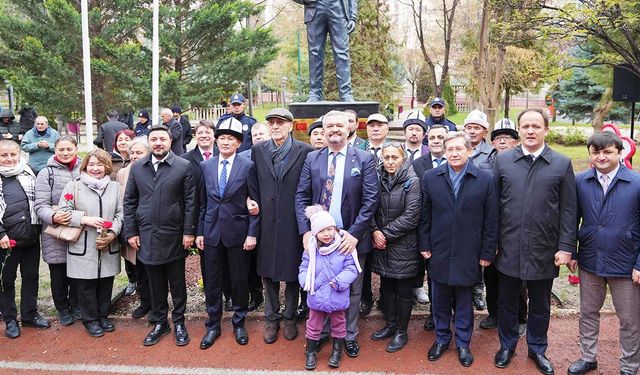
{"x":12,"y":243}
{"x":107,"y":225}
{"x":573,"y":279}
{"x":68,"y":197}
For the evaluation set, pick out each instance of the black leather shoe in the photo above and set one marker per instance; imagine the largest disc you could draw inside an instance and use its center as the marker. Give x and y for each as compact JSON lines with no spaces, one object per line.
{"x":625,"y":373}
{"x":336,"y":354}
{"x":37,"y":322}
{"x":182,"y":336}
{"x":429,"y":325}
{"x":503,"y":357}
{"x":156,"y":333}
{"x":13,"y":329}
{"x":581,"y":367}
{"x":465,"y":357}
{"x":542,"y":363}
{"x":256,"y":301}
{"x":209,"y":338}
{"x":228,"y":305}
{"x":387,"y":331}
{"x":478,"y":302}
{"x":312,"y":354}
{"x":76,"y":313}
{"x":107,"y":325}
{"x":94,"y":329}
{"x":66,"y":318}
{"x":398,"y":341}
{"x":140,"y":311}
{"x":436,"y":351}
{"x":365,"y":307}
{"x":352,"y":348}
{"x":242,"y":338}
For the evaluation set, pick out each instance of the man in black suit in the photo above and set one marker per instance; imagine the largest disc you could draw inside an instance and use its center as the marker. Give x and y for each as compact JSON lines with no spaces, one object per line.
{"x":353,"y":139}
{"x":175,"y":130}
{"x":107,"y":131}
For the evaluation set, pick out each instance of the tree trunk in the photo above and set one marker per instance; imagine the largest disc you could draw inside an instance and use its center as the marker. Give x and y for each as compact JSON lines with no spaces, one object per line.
{"x":601,"y":111}
{"x":507,"y":98}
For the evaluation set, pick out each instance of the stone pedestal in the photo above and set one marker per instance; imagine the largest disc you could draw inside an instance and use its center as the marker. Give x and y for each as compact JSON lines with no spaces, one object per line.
{"x":305,"y":114}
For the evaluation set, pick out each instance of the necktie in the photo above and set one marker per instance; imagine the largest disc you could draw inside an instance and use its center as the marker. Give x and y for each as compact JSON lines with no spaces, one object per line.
{"x":375,"y":151}
{"x":604,"y":181}
{"x":325,"y":198}
{"x":223,"y":177}
{"x":530,"y":159}
{"x":207,"y":155}
{"x":156,"y":165}
{"x":412,"y":154}
{"x":436,"y":162}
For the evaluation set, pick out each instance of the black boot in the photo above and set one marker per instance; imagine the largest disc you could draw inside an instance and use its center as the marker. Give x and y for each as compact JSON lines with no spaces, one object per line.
{"x":336,"y":354}
{"x":390,"y":315}
{"x":312,"y":354}
{"x":400,"y":338}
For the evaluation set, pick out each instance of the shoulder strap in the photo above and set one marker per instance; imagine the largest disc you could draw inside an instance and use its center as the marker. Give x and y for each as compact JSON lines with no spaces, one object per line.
{"x":50,"y":169}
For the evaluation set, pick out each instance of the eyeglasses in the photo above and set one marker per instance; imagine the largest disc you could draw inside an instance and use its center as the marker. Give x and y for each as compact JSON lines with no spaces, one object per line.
{"x":392,"y":144}
{"x":505,"y":138}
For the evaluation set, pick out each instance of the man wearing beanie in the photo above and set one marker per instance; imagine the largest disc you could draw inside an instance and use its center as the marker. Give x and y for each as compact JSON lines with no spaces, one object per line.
{"x":317,"y":139}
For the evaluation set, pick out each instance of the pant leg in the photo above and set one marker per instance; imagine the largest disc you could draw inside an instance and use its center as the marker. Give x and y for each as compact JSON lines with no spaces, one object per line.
{"x":464,"y":315}
{"x":29,"y":266}
{"x":10,"y":259}
{"x":226,"y":283}
{"x":291,"y":292}
{"x":442,"y":304}
{"x":593,"y":290}
{"x":178,"y":288}
{"x":355,"y":293}
{"x":522,"y":305}
{"x":238,"y":262}
{"x":316,"y":39}
{"x":255,"y":282}
{"x":491,"y":282}
{"x":104,"y":289}
{"x":338,"y":32}
{"x":539,"y":314}
{"x":88,"y":299}
{"x":388,"y":287}
{"x":404,"y":301}
{"x":626,"y":299}
{"x":508,"y":294}
{"x":314,"y":324}
{"x":143,"y":284}
{"x":130,"y":269}
{"x":367,"y":291}
{"x":271,"y":300}
{"x":159,"y":290}
{"x":338,"y":324}
{"x":215,"y":260}
{"x":418,"y":281}
{"x":60,"y":286}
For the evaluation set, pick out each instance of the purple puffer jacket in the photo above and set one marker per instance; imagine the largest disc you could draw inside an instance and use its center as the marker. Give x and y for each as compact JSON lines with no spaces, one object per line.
{"x":333,"y":267}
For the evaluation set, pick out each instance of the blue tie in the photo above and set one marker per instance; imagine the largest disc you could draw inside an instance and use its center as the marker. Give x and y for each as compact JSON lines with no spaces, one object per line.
{"x":223,"y":177}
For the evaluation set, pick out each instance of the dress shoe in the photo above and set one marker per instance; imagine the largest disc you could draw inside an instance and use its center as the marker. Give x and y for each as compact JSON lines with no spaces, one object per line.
{"x":302,"y":311}
{"x":542,"y":363}
{"x":429,"y":325}
{"x":159,"y":330}
{"x":182,"y":336}
{"x":478,"y":301}
{"x":256,"y":301}
{"x":522,"y":329}
{"x":398,"y":341}
{"x":503,"y":357}
{"x":312,"y":354}
{"x":387,"y":331}
{"x":465,"y":357}
{"x":625,"y":373}
{"x":140,"y":311}
{"x":436,"y":351}
{"x":290,"y":329}
{"x":242,"y":338}
{"x":76,"y":313}
{"x":209,"y":338}
{"x":94,"y":329}
{"x":421,"y":296}
{"x":352,"y":348}
{"x":130,"y":289}
{"x":66,"y":318}
{"x":365,"y":307}
{"x":581,"y":367}
{"x":12,"y":330}
{"x":228,"y":304}
{"x":271,"y":332}
{"x":107,"y":325}
{"x":336,"y":353}
{"x":489,"y":322}
{"x":37,"y":322}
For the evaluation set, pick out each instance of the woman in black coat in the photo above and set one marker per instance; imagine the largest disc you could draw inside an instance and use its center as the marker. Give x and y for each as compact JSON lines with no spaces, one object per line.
{"x":396,"y":258}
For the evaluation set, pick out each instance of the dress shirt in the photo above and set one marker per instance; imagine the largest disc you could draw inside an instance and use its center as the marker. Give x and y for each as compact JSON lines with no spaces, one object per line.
{"x":229,"y":165}
{"x":335,"y":209}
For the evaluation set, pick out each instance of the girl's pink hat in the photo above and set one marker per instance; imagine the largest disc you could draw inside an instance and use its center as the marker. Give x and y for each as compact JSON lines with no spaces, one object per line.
{"x":319,"y":218}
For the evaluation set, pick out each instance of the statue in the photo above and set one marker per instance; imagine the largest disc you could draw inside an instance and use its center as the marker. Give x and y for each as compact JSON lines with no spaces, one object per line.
{"x":338,"y":19}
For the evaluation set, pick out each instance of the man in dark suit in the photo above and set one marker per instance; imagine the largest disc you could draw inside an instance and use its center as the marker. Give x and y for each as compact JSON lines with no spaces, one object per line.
{"x":160,"y":215}
{"x":351,"y":200}
{"x":538,"y":207}
{"x":226,"y":231}
{"x":354,"y":140}
{"x":187,"y":134}
{"x":107,"y":131}
{"x":175,"y":130}
{"x":278,"y":163}
{"x":414,"y":133}
{"x":457,"y":196}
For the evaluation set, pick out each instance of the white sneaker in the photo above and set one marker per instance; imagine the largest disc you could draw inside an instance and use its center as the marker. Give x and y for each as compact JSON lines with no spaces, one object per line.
{"x":421,"y":295}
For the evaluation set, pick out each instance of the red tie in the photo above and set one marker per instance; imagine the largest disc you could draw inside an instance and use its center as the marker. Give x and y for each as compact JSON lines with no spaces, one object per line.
{"x":207,"y":155}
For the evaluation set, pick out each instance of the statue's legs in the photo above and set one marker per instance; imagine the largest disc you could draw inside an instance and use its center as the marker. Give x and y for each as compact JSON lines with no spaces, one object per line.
{"x":316,"y":38}
{"x":338,"y":31}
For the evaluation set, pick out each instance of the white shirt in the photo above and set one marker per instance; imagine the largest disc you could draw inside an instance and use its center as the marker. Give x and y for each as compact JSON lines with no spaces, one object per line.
{"x":534,"y":154}
{"x":433,"y":160}
{"x":610,"y":175}
{"x":336,"y":194}
{"x":229,"y":165}
{"x":157,"y":162}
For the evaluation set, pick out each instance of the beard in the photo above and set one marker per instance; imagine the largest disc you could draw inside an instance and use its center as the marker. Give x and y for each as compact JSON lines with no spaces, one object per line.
{"x":159,"y":154}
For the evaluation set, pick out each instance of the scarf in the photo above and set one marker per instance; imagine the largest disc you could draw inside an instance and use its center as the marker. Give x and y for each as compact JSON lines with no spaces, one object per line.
{"x":95,"y":184}
{"x":310,"y":280}
{"x":279,"y":155}
{"x":27,"y":180}
{"x":45,"y":133}
{"x":70,"y":165}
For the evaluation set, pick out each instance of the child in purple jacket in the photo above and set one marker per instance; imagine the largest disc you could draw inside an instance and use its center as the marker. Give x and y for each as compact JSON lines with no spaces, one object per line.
{"x":326,"y":275}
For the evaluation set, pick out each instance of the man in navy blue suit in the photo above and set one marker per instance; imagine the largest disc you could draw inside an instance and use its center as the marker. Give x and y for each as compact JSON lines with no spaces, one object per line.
{"x":226,"y":231}
{"x":351,"y":199}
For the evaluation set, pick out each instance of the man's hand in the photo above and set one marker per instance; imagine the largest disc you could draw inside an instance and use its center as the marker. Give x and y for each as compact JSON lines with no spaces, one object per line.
{"x":348,"y":244}
{"x":134,"y":242}
{"x":562,"y":258}
{"x":379,"y":240}
{"x":200,"y":242}
{"x":635,"y":275}
{"x":103,"y":242}
{"x":351,"y":26}
{"x":572,"y":265}
{"x":485,"y":263}
{"x":249,"y":243}
{"x":253,"y":207}
{"x":426,"y":254}
{"x":187,"y":240}
{"x":305,"y":240}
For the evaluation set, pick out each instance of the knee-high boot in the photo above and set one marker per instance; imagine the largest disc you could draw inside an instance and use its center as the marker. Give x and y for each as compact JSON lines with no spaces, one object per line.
{"x":400,"y":337}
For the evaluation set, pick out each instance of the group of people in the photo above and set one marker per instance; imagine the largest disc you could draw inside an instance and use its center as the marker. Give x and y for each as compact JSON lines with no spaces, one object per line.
{"x":268,"y":211}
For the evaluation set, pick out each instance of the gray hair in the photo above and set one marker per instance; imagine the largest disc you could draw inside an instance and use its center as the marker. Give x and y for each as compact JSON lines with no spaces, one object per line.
{"x":142,"y":141}
{"x":41,"y":118}
{"x":455,"y":135}
{"x":334,"y":113}
{"x":259,"y":125}
{"x":166,"y":111}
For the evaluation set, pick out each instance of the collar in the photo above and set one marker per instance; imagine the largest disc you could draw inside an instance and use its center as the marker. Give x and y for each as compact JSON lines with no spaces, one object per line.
{"x":433,"y":157}
{"x":203,"y":151}
{"x":155,"y":160}
{"x":406,"y":147}
{"x":343,"y":151}
{"x":536,"y":153}
{"x":611,"y":174}
{"x":484,"y":148}
{"x":230,"y":159}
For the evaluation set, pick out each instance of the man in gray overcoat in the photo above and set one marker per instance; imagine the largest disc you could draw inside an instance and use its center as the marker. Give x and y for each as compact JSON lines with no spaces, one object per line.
{"x":538,"y":207}
{"x":338,"y":19}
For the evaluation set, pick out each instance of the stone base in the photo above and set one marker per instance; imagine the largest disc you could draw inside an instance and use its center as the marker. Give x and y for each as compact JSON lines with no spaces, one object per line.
{"x":304,"y":111}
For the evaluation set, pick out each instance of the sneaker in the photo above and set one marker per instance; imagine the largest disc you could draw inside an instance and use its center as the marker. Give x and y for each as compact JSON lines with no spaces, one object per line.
{"x":421,"y":296}
{"x":130,"y":289}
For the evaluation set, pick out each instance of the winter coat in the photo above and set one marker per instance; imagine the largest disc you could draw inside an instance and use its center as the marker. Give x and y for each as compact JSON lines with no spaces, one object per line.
{"x":332,"y":267}
{"x":538,"y":212}
{"x":142,"y":130}
{"x":12,"y":127}
{"x":187,"y":133}
{"x":84,"y":260}
{"x":397,"y":217}
{"x":458,"y":230}
{"x":175,"y":131}
{"x":38,"y":157}
{"x":27,"y":118}
{"x":480,"y":156}
{"x":609,"y":236}
{"x":159,"y":207}
{"x":118,"y":162}
{"x":127,"y":252}
{"x":49,"y":185}
{"x":107,"y":134}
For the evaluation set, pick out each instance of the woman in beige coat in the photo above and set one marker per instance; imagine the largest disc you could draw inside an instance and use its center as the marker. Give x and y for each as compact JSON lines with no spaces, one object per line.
{"x":94,"y":259}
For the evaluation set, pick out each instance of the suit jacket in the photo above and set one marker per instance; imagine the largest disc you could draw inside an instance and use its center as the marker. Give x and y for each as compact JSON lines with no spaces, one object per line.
{"x":176,"y":133}
{"x":422,"y":164}
{"x":358,"y":142}
{"x":349,"y":9}
{"x":226,"y":218}
{"x":359,"y":192}
{"x":195,"y":158}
